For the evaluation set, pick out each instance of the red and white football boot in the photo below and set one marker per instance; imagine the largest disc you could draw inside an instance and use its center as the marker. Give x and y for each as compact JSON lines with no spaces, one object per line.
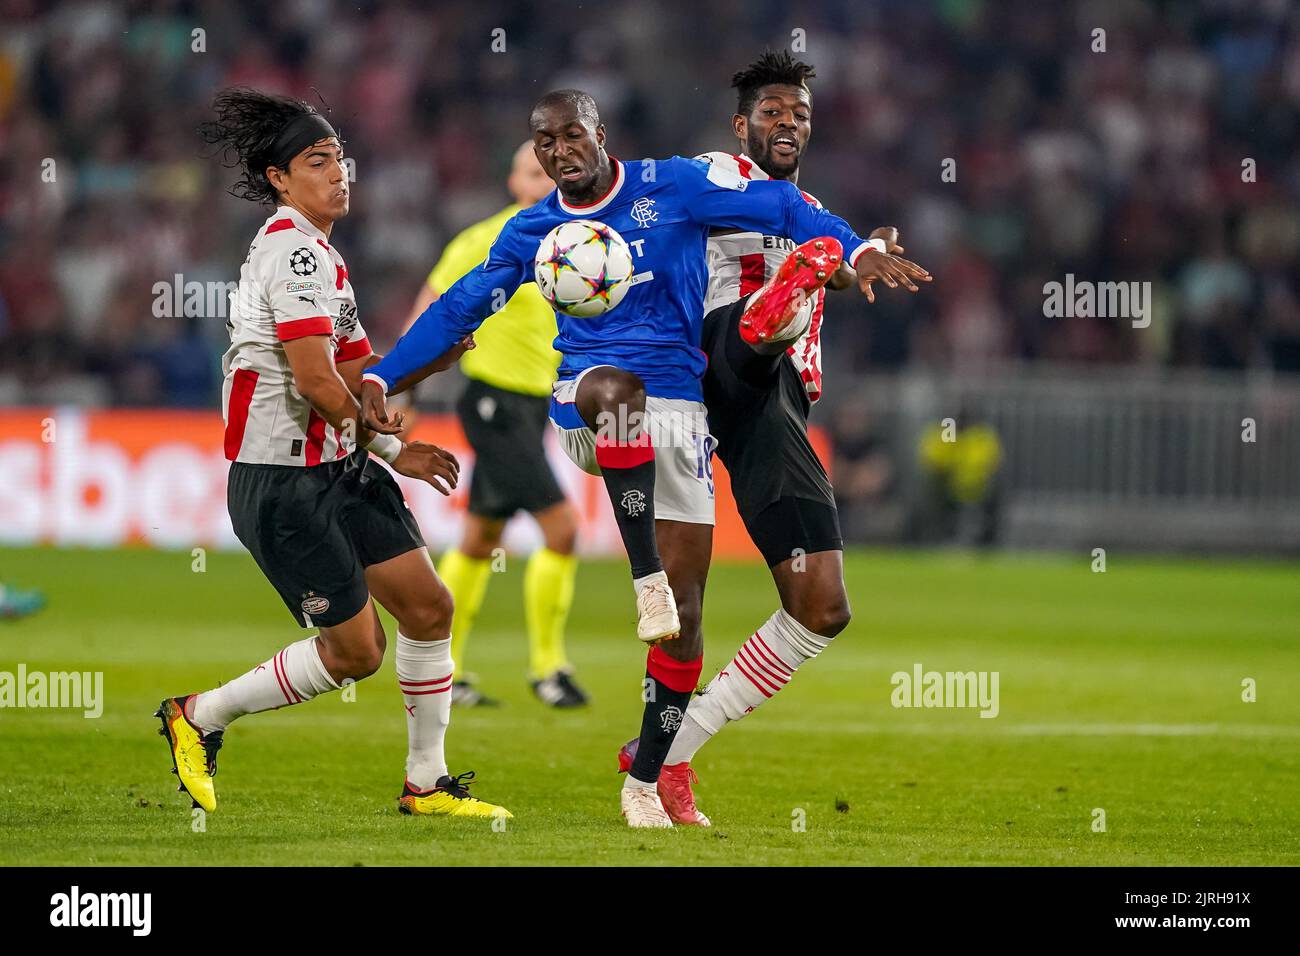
{"x":773,"y":312}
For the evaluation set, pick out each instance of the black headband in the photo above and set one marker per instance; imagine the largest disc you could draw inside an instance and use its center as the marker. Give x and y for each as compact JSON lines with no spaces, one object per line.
{"x":299,"y":133}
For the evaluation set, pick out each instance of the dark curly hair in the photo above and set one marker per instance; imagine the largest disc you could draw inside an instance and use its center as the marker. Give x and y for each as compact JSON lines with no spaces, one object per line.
{"x":768,"y":68}
{"x":244,"y":131}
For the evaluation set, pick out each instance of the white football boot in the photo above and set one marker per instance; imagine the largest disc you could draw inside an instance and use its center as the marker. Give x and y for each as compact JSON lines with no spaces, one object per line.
{"x":643,"y":810}
{"x":656,"y":609}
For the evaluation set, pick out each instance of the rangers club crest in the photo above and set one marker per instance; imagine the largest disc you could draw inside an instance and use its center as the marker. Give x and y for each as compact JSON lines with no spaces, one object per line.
{"x":633,"y":502}
{"x":302,"y":261}
{"x":670,"y":718}
{"x":643,"y":212}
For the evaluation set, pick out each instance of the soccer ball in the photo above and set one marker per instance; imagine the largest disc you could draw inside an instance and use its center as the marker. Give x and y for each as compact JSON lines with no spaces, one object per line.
{"x":583,"y":268}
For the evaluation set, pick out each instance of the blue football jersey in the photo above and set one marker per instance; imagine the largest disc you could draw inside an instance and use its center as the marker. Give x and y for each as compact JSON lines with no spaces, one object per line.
{"x":664,"y":210}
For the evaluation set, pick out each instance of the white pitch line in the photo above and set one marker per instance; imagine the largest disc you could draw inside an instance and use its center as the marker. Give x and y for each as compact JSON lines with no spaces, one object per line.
{"x":997,"y":727}
{"x":968,"y":725}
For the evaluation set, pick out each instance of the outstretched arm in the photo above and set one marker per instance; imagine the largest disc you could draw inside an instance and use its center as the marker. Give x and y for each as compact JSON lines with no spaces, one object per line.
{"x":449,"y":320}
{"x":716,"y":197}
{"x":444,"y":330}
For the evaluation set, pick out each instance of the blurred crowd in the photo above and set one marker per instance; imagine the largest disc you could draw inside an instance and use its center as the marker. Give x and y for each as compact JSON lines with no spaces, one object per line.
{"x":1010,"y":140}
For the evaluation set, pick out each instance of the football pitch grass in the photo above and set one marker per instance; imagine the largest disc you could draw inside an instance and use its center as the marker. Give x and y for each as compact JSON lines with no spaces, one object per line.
{"x":1120,"y":693}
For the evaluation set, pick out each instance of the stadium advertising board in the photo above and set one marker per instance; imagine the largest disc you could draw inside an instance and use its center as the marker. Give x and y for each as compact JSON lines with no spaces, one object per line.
{"x":158,"y":478}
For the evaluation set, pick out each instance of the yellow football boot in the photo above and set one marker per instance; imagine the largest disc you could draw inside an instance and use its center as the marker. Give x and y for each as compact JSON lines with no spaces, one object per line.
{"x":449,"y":798}
{"x":194,"y":755}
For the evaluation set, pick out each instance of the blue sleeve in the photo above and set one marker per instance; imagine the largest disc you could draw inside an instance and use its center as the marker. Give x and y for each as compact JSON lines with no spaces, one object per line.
{"x":716,"y":197}
{"x":461,"y":309}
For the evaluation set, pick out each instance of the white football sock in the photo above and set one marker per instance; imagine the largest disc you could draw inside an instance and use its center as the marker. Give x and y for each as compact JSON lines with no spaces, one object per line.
{"x":690,"y":738}
{"x":762,"y":666}
{"x":797,"y":326}
{"x":295,"y":674}
{"x":424,"y":671}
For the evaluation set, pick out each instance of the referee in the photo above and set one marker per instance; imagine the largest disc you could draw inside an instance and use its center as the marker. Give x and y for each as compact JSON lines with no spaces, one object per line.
{"x":503,"y":412}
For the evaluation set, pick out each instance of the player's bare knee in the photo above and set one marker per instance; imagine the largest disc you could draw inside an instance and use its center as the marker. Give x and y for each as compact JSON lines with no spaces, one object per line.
{"x":357,"y":659}
{"x":836,"y":618}
{"x":826,"y":617}
{"x":562,"y":535}
{"x":482,"y":536}
{"x":479,"y":547}
{"x":430,"y":619}
{"x":444,"y":607}
{"x":366,"y":661}
{"x":617,"y":387}
{"x":610,"y":391}
{"x":562,"y":540}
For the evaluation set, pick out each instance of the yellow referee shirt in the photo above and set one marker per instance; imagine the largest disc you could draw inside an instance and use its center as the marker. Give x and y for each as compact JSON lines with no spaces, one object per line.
{"x":514,"y":346}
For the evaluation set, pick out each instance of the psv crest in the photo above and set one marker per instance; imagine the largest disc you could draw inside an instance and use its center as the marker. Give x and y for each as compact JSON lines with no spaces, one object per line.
{"x":313,"y":603}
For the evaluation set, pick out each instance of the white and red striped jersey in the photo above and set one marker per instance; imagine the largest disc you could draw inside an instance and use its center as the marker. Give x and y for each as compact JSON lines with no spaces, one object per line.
{"x":292,"y":284}
{"x":741,"y":262}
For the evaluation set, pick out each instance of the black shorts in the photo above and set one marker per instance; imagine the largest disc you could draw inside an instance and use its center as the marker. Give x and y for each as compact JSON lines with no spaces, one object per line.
{"x":314,"y":531}
{"x":789,"y":527}
{"x":758,"y":412}
{"x":505,"y":430}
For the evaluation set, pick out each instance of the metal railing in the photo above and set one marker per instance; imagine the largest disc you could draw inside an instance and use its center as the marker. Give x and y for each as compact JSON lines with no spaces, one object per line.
{"x":1161,"y":459}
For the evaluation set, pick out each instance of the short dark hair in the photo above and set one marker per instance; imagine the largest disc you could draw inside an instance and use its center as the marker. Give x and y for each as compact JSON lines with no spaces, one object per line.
{"x":578,"y":99}
{"x":769,"y":68}
{"x":245,"y":130}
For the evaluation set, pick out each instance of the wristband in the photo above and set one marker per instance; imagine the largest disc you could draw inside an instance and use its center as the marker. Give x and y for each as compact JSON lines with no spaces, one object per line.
{"x":877,"y":244}
{"x":387,"y":447}
{"x":372,"y":377}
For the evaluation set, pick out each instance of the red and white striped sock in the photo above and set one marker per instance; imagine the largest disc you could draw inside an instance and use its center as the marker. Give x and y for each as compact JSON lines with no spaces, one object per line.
{"x":295,"y":674}
{"x":763,"y":665}
{"x":424,"y":671}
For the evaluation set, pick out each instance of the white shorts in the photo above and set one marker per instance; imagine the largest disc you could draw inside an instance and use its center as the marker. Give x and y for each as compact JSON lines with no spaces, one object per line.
{"x":679,"y":430}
